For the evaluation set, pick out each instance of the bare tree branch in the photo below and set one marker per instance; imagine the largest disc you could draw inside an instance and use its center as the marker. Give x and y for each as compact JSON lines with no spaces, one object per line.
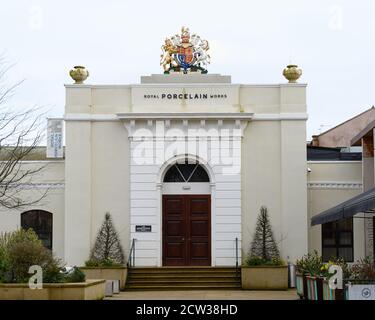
{"x":264,"y":244}
{"x":107,"y":244}
{"x":21,"y":132}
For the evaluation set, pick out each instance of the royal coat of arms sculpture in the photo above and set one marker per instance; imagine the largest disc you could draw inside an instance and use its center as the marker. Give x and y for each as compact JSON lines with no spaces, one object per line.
{"x":185,"y":53}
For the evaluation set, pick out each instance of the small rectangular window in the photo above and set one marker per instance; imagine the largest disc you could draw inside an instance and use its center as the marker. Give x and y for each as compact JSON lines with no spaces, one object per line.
{"x":337,"y":240}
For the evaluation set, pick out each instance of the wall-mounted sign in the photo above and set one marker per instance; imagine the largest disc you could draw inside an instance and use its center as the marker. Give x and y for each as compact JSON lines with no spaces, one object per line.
{"x":184,"y":96}
{"x":225,"y":94}
{"x":55,"y":138}
{"x":142,"y":228}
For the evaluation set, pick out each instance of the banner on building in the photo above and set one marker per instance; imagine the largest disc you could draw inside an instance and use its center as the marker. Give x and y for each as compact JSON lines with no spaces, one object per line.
{"x":55,"y":138}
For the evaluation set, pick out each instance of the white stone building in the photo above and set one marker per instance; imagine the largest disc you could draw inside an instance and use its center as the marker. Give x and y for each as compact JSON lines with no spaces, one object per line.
{"x":237,"y":147}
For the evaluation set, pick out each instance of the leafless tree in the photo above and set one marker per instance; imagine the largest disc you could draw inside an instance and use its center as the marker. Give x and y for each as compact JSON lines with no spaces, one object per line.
{"x":264,"y":244}
{"x":107,"y":245}
{"x":21,"y":132}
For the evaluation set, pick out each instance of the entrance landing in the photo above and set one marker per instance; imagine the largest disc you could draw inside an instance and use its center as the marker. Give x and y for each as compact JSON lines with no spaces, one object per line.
{"x":207,"y":295}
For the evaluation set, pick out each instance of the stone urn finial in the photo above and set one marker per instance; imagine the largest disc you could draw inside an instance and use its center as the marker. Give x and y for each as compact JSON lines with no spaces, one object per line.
{"x":292,"y":73}
{"x":79,"y":74}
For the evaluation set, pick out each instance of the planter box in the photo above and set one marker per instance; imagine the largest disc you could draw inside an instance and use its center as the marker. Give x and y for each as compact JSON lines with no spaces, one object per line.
{"x":314,"y":288}
{"x":360,"y":291}
{"x":108,"y":288}
{"x":107,"y":273}
{"x":89,"y":290}
{"x":329,"y":294}
{"x":264,"y":277}
{"x":301,"y":285}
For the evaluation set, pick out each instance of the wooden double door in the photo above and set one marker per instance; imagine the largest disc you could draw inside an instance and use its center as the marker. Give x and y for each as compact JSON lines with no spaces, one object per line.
{"x":186,"y":230}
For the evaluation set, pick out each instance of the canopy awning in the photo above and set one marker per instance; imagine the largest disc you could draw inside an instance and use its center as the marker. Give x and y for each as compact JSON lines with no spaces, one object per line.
{"x":364,"y":202}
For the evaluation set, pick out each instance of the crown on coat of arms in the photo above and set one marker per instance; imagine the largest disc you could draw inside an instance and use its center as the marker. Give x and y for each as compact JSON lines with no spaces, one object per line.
{"x":185,"y":52}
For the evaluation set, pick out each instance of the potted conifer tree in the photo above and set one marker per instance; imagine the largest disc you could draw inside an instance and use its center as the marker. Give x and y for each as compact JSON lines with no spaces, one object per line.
{"x":107,"y":259}
{"x":263,"y":268}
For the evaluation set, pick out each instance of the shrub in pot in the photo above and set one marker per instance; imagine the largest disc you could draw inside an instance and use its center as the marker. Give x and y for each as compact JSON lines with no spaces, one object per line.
{"x":361,"y":282}
{"x":107,"y":259}
{"x":316,"y":277}
{"x":363,"y":270}
{"x":105,"y":263}
{"x":75,"y":275}
{"x":21,"y":249}
{"x":308,"y":269}
{"x":263,"y":269}
{"x":328,"y":293}
{"x":4,"y":263}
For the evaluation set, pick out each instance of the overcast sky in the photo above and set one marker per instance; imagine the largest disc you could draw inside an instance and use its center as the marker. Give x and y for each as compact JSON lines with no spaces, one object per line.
{"x":118,"y":41}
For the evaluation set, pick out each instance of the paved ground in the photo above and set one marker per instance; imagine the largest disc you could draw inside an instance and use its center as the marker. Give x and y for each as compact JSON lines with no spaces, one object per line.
{"x":206,"y":295}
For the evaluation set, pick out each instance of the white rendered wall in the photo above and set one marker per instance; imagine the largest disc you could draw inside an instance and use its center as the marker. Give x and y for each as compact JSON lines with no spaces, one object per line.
{"x":50,"y":180}
{"x":274,"y":166}
{"x":110,"y":183}
{"x":97,"y":168}
{"x":78,"y":194}
{"x":97,"y":180}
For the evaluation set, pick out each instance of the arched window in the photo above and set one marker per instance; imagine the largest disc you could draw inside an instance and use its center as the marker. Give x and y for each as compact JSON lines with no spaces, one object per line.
{"x":186,"y":172}
{"x":41,"y":222}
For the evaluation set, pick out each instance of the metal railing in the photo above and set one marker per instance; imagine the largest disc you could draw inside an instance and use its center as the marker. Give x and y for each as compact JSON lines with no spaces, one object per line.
{"x":237,"y":265}
{"x":131,"y":258}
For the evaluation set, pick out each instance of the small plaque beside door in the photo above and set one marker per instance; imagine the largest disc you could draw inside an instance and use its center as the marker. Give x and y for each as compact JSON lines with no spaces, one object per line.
{"x":143,"y":228}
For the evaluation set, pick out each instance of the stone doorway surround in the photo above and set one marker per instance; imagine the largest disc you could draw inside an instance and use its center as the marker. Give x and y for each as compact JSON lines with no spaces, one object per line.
{"x":220,"y":156}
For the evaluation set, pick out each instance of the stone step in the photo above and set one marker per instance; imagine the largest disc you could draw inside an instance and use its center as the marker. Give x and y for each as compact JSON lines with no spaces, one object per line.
{"x":183,"y":278}
{"x":187,"y":280}
{"x":184,"y":275}
{"x":185,"y":287}
{"x":181,"y":270}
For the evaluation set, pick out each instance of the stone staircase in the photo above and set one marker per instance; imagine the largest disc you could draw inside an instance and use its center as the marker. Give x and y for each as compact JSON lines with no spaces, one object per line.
{"x":183,"y":278}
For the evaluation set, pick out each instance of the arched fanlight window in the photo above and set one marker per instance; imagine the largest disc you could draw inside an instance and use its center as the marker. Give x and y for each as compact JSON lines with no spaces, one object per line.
{"x":186,"y":172}
{"x":41,"y":222}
